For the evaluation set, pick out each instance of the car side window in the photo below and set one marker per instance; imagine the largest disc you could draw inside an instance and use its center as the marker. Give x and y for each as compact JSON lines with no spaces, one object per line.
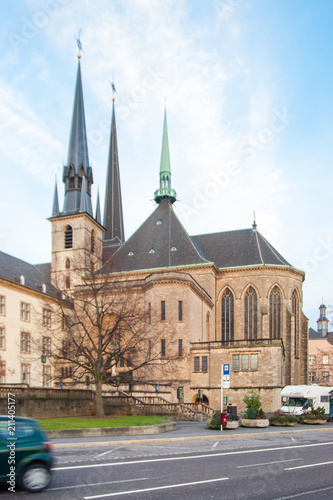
{"x":18,"y":430}
{"x":23,"y":430}
{"x":3,"y":430}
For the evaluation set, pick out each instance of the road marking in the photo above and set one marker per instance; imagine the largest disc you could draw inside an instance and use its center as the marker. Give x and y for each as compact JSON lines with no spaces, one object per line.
{"x":180,"y":485}
{"x":106,"y":452}
{"x":269,"y":463}
{"x":215,"y":444}
{"x":296,"y":495}
{"x":97,"y":484}
{"x":309,"y":465}
{"x":208,"y":455}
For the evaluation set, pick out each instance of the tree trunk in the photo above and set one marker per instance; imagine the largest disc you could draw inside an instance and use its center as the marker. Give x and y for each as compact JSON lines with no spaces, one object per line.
{"x":99,"y":400}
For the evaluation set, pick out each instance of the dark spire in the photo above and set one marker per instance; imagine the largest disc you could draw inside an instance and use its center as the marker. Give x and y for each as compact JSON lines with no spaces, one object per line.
{"x":113,"y":210}
{"x":55,"y":209}
{"x":165,"y":190}
{"x":78,"y":160}
{"x":98,"y":210}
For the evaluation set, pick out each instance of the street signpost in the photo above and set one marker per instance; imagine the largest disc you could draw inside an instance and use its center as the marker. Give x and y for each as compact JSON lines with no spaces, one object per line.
{"x":225,"y":384}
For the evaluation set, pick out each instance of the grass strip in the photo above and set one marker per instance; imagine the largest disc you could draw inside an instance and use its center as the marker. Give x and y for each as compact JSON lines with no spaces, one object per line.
{"x":92,"y":422}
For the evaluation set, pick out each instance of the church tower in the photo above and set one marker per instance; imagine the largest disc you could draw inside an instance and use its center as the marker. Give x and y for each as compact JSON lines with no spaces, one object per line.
{"x":113,"y":210}
{"x":165,"y":190}
{"x":322,"y":321}
{"x":76,"y":233}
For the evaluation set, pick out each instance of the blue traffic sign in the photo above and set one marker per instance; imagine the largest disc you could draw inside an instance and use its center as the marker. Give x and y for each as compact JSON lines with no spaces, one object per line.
{"x":226,"y":369}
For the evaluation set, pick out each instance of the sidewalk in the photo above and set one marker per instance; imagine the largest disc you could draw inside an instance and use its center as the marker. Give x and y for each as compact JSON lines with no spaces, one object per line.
{"x":188,"y":431}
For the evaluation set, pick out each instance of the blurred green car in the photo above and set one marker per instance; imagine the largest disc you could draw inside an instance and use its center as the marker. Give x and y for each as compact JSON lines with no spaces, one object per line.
{"x":25,"y":454}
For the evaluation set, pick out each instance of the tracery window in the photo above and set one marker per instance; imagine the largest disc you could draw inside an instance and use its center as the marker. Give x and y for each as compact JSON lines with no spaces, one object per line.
{"x":227,"y":315}
{"x":275,"y":313}
{"x":250,"y":314}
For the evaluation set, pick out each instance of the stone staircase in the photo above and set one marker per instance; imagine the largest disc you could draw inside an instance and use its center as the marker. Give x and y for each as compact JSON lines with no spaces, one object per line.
{"x":157,"y":405}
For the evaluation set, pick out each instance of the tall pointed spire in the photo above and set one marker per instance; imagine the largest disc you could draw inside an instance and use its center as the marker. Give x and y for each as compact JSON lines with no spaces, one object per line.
{"x":165,"y":190}
{"x":98,"y":210}
{"x":78,"y":160}
{"x":55,"y":209}
{"x":113,"y":209}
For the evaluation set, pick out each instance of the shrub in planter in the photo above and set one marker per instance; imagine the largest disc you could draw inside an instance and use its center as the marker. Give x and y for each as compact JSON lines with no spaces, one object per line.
{"x":280,"y":418}
{"x":254,"y":409}
{"x":315,"y":416}
{"x":215,"y":421}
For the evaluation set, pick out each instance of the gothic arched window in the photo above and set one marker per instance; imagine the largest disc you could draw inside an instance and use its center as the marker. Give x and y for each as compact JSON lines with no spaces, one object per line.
{"x":68,"y":237}
{"x":227,"y":316}
{"x":295,"y":311}
{"x":250,"y":314}
{"x":275,"y":314}
{"x":68,"y":263}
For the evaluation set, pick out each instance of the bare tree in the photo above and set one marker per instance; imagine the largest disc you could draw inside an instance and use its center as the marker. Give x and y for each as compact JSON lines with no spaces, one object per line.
{"x":108,"y":335}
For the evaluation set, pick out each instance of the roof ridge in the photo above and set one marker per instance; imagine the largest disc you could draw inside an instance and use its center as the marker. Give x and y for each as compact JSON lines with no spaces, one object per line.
{"x":284,"y":262}
{"x":258,"y":245}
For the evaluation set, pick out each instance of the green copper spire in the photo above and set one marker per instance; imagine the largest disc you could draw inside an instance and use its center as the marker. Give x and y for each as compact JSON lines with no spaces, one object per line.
{"x":165,"y":190}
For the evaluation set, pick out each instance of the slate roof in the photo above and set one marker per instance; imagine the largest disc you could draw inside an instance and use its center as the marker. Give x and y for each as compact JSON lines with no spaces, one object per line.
{"x":313,"y":334}
{"x":245,"y":247}
{"x":160,"y":242}
{"x":12,"y":268}
{"x":163,"y":242}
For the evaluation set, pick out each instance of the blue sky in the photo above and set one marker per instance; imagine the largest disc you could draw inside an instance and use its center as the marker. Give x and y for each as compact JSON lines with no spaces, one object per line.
{"x":248,"y":86}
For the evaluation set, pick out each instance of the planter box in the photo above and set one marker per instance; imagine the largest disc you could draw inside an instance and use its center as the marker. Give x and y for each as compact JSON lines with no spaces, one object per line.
{"x":283,"y":424}
{"x":231,"y":425}
{"x":247,"y":422}
{"x":316,"y":421}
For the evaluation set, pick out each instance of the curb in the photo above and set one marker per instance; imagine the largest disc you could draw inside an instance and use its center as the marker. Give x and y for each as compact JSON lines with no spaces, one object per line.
{"x":111,"y":431}
{"x":180,"y":439}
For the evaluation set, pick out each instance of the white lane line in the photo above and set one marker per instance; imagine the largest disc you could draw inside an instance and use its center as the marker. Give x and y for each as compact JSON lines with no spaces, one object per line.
{"x":215,"y":444}
{"x":208,"y":455}
{"x":309,"y":465}
{"x":106,"y":452}
{"x":302,"y":493}
{"x":269,"y":463}
{"x":180,"y":485}
{"x":97,"y":484}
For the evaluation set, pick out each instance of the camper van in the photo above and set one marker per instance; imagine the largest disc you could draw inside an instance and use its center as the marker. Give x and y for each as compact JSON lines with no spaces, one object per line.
{"x":297,"y":399}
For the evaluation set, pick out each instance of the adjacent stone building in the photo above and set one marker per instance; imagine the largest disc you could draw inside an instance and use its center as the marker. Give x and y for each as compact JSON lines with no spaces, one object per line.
{"x":321,"y":351}
{"x":226,"y":297}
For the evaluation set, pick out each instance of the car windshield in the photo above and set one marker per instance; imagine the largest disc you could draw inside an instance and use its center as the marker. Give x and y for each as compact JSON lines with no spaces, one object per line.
{"x":298,"y":402}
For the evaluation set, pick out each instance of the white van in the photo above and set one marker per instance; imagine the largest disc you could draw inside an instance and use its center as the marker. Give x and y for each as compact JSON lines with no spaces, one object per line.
{"x":297,"y":399}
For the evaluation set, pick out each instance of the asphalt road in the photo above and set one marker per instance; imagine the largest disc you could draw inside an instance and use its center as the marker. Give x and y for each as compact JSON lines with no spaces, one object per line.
{"x":261,"y":466}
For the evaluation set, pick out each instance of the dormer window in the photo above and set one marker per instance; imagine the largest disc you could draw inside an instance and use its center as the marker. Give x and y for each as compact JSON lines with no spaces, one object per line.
{"x":68,"y":237}
{"x":22,"y":280}
{"x":152,"y":251}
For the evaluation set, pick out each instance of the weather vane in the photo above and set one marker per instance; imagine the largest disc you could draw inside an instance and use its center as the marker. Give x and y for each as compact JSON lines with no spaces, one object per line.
{"x":79,"y":44}
{"x":113,"y":88}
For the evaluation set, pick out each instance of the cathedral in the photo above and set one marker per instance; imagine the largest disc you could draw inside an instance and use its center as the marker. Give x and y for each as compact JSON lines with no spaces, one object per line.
{"x":225,"y":298}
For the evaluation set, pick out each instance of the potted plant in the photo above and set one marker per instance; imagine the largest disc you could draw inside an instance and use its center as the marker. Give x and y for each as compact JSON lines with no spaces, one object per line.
{"x":215,"y":421}
{"x":254,"y":415}
{"x":314,"y":416}
{"x":283,"y":419}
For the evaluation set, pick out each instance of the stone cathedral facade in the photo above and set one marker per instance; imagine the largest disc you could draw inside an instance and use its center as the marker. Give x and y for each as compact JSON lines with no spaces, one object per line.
{"x":226,"y":297}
